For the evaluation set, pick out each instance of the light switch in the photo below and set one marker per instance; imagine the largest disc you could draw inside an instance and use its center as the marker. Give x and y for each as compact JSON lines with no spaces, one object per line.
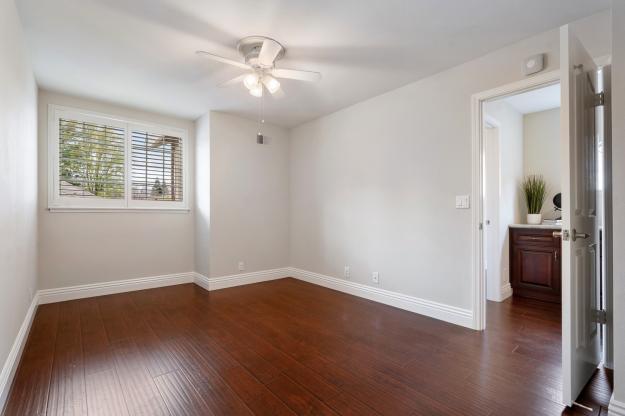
{"x":463,"y":202}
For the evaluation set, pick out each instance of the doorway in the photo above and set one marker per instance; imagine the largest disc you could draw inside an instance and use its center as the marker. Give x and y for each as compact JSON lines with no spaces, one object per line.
{"x":488,"y":135}
{"x":521,"y":140}
{"x":481,"y":122}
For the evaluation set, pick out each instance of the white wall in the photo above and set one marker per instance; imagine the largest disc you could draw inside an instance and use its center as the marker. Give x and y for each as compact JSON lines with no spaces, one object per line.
{"x":510,"y":126}
{"x":81,"y":248}
{"x":249,"y":196}
{"x":373,"y":185}
{"x":18,"y":181}
{"x":541,"y":147}
{"x":618,"y":194}
{"x":202,"y":195}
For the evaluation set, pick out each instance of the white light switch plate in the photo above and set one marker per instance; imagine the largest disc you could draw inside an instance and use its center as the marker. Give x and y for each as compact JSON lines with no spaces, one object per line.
{"x":463,"y":202}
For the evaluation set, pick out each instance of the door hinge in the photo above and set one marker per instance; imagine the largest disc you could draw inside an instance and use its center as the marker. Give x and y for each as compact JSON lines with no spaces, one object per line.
{"x":598,"y":99}
{"x":601,"y":317}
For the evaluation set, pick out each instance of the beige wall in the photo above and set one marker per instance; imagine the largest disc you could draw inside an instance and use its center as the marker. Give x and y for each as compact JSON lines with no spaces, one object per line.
{"x":249,"y":199}
{"x":373,"y":185}
{"x":541,"y":147}
{"x":18,"y":181}
{"x":81,"y":248}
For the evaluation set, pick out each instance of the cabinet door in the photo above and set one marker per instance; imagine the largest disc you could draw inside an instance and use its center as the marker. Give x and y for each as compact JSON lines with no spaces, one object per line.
{"x":536,"y":272}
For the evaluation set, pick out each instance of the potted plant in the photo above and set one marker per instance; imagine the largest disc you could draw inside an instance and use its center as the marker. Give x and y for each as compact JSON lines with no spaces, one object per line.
{"x":535,"y":190}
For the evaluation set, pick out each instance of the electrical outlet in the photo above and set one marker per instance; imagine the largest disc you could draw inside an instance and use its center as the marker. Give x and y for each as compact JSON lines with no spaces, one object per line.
{"x":375,"y":276}
{"x":241,"y":266}
{"x":346,"y":272}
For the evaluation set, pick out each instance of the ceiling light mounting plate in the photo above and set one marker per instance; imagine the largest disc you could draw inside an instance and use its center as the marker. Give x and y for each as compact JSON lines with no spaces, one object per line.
{"x":249,"y":48}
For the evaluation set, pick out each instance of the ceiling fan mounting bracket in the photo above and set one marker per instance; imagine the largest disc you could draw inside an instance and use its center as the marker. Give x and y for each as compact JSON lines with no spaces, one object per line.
{"x":249,"y":48}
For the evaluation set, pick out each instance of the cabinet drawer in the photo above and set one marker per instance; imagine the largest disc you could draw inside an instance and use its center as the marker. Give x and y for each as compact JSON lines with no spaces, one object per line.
{"x":542,"y":237}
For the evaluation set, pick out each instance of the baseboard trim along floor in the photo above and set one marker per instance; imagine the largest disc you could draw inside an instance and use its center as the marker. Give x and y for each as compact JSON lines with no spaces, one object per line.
{"x":223,"y":282}
{"x":426,"y":307}
{"x":10,"y":365}
{"x":108,"y":288}
{"x":432,"y":309}
{"x":616,"y":408}
{"x":447,"y":313}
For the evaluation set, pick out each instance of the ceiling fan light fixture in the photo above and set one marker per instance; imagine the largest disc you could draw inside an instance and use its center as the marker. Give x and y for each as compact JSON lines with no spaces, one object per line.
{"x":251,"y":81}
{"x":271,"y":83}
{"x":257,"y":91}
{"x":260,"y":55}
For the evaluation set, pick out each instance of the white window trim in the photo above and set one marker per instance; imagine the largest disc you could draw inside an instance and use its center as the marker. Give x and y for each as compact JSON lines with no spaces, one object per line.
{"x":57,"y":203}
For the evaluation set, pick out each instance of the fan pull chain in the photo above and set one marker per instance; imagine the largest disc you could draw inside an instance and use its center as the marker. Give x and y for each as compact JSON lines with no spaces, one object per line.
{"x":260,"y":139}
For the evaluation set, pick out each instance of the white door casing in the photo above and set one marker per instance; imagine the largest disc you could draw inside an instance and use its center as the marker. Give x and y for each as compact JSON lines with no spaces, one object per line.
{"x":478,"y":287}
{"x":581,"y":351}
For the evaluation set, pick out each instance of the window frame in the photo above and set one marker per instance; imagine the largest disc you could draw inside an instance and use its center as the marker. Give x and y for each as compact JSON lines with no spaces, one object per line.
{"x":56,"y":202}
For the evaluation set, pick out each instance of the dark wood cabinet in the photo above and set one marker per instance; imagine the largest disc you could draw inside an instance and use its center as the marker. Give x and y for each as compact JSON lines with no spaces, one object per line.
{"x":535,"y":264}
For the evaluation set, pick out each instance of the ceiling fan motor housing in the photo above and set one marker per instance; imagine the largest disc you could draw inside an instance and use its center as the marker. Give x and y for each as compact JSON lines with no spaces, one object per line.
{"x":249,"y":48}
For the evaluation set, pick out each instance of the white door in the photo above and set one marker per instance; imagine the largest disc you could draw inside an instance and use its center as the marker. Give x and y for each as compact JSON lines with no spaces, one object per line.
{"x":491,"y":214}
{"x":581,"y":352}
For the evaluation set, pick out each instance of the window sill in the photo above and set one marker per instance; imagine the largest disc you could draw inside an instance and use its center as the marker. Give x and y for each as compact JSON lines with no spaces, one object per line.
{"x":158,"y":210}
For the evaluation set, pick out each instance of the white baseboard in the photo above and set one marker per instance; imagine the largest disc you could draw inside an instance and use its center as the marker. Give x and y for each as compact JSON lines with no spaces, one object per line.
{"x":432,"y":309}
{"x":616,"y":408}
{"x":223,"y":282}
{"x":13,"y":360}
{"x":108,"y":288}
{"x":447,"y":313}
{"x":506,"y":291}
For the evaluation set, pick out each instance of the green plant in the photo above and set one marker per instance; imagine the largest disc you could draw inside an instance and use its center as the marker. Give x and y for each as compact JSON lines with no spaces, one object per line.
{"x":535,"y":190}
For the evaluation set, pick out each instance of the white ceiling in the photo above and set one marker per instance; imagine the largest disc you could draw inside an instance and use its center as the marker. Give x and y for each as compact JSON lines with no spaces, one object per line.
{"x":533,"y":101}
{"x":141,"y":52}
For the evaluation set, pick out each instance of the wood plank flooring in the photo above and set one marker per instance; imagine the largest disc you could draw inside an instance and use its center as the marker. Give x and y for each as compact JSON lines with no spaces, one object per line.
{"x":287,"y":347}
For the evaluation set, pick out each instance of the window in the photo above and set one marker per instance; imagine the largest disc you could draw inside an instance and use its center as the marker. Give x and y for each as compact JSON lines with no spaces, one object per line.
{"x":101,"y":162}
{"x":156,"y":167}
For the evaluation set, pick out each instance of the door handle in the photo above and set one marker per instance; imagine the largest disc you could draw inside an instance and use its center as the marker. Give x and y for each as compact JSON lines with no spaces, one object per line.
{"x":575,"y":235}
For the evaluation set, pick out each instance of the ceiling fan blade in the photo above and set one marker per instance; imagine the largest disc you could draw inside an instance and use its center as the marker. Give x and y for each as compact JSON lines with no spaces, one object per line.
{"x":310,"y":76}
{"x":223,"y":60}
{"x":235,"y":80}
{"x":268,"y":52}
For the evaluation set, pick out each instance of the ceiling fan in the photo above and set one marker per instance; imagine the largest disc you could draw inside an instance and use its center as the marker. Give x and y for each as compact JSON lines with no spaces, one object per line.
{"x":260,"y":55}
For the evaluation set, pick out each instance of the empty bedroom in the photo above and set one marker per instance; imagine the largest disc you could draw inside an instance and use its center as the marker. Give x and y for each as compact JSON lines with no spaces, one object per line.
{"x":312,"y":208}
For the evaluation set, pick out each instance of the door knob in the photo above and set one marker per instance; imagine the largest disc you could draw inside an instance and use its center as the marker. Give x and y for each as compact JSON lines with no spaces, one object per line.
{"x":575,"y":235}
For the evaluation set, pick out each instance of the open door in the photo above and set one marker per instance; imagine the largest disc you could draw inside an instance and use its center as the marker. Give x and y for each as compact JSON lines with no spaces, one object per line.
{"x":581,"y":341}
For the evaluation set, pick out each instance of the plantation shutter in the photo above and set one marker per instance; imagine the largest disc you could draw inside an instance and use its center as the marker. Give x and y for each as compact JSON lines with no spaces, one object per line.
{"x":157,"y":173}
{"x":91,"y":160}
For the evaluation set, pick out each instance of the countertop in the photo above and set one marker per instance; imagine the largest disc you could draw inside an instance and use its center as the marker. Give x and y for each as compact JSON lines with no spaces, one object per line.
{"x":539,"y":226}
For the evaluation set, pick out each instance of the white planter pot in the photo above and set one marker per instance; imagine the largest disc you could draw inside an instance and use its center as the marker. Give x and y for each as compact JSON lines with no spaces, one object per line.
{"x":534,"y":219}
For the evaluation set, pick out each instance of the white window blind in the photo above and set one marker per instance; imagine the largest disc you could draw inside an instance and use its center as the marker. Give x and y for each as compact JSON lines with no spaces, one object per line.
{"x":91,"y":160}
{"x":156,"y":167}
{"x":99,"y":162}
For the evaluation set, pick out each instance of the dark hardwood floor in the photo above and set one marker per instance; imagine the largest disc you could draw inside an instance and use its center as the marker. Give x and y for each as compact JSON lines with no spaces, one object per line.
{"x":287,"y":347}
